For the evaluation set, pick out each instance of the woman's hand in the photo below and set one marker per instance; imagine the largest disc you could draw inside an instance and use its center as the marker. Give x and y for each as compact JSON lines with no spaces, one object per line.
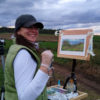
{"x":47,"y":57}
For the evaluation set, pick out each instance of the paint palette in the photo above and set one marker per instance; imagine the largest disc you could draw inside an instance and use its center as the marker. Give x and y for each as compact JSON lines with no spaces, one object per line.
{"x":52,"y":90}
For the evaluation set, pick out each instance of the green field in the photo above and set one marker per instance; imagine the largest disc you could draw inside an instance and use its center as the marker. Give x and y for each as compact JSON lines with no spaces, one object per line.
{"x":94,"y":61}
{"x":67,"y":47}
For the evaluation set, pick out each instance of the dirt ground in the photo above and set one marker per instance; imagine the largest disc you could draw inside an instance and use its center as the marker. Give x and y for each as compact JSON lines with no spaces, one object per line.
{"x":62,"y":72}
{"x":40,"y":38}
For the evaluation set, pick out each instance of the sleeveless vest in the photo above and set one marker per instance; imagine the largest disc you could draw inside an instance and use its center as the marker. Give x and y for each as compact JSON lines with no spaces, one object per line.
{"x":9,"y":83}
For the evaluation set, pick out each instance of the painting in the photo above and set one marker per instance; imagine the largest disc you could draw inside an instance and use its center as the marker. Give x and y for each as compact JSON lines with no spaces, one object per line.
{"x":74,"y":44}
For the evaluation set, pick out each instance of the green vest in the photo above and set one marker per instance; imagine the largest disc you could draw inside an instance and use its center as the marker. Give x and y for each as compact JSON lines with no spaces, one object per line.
{"x":10,"y":90}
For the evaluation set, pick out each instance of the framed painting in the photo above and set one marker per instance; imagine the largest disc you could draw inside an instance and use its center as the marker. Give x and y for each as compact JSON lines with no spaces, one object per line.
{"x":74,"y":44}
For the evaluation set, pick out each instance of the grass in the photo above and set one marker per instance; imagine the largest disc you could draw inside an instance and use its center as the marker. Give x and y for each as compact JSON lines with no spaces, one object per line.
{"x":96,"y":58}
{"x":66,"y":46}
{"x":92,"y":95}
{"x":46,"y":34}
{"x":94,"y":61}
{"x":8,"y":43}
{"x":1,"y":78}
{"x":53,"y":47}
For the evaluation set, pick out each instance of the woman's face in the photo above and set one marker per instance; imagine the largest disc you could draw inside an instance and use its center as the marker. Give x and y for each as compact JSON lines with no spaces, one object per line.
{"x":30,"y":33}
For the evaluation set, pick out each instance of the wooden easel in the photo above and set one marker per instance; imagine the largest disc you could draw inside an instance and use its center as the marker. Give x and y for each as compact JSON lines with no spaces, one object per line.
{"x":74,"y":57}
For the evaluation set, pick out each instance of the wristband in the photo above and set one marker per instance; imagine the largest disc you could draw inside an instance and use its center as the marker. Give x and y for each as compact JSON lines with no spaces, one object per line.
{"x":46,"y":66}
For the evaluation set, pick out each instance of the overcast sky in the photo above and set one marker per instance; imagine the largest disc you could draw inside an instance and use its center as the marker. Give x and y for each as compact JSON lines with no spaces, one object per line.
{"x":59,"y":14}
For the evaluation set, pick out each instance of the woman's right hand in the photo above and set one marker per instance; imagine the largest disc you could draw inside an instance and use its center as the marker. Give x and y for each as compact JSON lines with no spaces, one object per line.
{"x":47,"y":57}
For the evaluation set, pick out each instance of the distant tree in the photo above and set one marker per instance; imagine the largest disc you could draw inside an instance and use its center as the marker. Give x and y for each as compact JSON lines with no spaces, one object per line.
{"x":6,"y":30}
{"x":46,"y":31}
{"x":11,"y":30}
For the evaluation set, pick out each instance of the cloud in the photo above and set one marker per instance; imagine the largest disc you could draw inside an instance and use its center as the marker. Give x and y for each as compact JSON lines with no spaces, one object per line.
{"x":11,"y":9}
{"x":2,"y":1}
{"x":53,"y":13}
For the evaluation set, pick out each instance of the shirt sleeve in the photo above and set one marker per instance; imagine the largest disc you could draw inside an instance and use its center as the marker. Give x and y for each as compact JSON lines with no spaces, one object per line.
{"x":28,"y":86}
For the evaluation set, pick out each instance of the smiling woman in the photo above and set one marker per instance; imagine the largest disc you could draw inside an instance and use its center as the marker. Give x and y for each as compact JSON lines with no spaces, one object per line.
{"x":30,"y":33}
{"x":26,"y":69}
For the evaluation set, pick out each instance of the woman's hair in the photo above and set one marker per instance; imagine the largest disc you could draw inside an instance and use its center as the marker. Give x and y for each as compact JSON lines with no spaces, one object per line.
{"x":22,"y":41}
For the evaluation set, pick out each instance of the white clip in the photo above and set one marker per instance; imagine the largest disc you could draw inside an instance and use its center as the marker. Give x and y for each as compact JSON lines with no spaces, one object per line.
{"x":61,"y":34}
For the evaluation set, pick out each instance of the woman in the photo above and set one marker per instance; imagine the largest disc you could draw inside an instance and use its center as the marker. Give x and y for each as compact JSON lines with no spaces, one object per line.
{"x":26,"y":75}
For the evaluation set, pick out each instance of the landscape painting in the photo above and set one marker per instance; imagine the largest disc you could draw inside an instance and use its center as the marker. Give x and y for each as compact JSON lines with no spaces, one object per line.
{"x":72,"y":45}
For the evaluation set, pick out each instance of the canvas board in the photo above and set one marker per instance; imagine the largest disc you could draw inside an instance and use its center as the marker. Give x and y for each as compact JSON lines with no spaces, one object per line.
{"x":74,"y":44}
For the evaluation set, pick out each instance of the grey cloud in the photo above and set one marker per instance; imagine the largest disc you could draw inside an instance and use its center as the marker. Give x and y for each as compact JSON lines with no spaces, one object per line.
{"x":51,"y":12}
{"x":2,"y":1}
{"x":82,"y":17}
{"x":12,"y":9}
{"x":85,"y":13}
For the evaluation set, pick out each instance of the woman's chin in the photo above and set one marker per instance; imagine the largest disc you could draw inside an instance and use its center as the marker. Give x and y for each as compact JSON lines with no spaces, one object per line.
{"x":32,"y":41}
